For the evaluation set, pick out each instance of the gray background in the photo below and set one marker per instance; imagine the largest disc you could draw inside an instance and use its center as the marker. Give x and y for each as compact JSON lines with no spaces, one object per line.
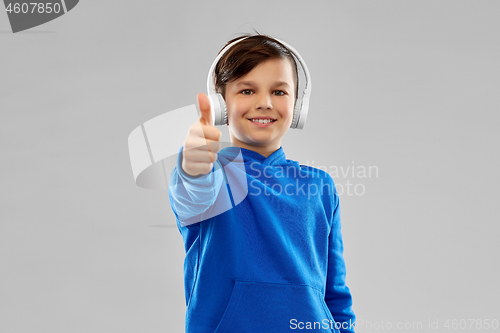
{"x":410,"y":87}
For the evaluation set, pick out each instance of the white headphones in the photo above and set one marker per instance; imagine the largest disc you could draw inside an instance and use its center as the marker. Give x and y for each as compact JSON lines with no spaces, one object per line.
{"x":218,"y":105}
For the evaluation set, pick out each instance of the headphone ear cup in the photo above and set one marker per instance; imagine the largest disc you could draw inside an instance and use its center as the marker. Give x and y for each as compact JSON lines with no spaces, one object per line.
{"x":300,"y":112}
{"x":296,"y":113}
{"x":219,"y":110}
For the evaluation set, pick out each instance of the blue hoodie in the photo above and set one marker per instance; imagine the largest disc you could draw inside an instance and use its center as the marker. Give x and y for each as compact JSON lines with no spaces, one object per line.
{"x":263,"y":243}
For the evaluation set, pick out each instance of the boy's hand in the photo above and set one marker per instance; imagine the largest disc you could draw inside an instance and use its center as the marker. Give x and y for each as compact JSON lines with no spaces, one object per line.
{"x":202,"y":142}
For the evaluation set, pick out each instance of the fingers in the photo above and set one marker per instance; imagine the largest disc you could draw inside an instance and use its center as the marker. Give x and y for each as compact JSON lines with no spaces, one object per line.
{"x":196,"y":168}
{"x":205,"y":110}
{"x":199,"y":133}
{"x":201,"y":145}
{"x":199,"y":156}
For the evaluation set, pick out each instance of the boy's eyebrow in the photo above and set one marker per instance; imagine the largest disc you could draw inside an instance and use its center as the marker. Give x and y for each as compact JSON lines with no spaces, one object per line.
{"x":245,"y":83}
{"x":251,"y":83}
{"x":282,"y":83}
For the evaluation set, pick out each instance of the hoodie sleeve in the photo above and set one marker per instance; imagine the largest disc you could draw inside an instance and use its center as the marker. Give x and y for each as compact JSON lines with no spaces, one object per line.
{"x":337,"y":296}
{"x":190,"y":197}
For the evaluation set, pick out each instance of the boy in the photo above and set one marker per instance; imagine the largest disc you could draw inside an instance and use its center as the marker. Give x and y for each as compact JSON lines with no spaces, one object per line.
{"x":274,"y":261}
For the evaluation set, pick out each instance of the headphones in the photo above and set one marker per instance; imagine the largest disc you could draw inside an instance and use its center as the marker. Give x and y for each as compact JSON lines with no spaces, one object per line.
{"x":218,"y":105}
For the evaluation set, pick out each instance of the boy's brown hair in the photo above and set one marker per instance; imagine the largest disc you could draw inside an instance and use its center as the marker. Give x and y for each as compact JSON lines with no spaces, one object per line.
{"x":242,"y":57}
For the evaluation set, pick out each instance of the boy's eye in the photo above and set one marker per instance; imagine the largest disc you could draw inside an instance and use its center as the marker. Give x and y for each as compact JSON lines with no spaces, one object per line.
{"x":279,"y":92}
{"x":247,"y":92}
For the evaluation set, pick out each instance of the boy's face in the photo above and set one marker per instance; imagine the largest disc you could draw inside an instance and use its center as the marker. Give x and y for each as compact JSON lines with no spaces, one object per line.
{"x":266,"y":92}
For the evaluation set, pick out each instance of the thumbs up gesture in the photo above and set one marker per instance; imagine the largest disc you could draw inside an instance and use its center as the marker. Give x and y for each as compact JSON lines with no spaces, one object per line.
{"x":202,"y":142}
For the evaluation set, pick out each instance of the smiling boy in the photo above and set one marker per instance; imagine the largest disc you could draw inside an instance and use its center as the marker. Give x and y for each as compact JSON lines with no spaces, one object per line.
{"x":267,"y":92}
{"x":273,"y":259}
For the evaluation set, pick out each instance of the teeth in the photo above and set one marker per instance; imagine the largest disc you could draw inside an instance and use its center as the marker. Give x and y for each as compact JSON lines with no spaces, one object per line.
{"x":262,"y":121}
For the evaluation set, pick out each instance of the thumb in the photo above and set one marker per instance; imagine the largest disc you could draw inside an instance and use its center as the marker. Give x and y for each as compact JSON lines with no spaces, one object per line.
{"x":204,"y":107}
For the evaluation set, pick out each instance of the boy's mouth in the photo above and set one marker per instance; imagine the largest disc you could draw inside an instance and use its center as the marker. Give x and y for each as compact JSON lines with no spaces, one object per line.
{"x":262,"y":120}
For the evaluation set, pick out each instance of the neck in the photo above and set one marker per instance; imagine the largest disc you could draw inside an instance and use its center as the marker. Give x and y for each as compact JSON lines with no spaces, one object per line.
{"x":265,"y":150}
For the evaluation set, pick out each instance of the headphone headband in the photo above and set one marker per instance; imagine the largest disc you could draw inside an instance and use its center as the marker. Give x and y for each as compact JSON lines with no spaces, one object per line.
{"x":218,"y":105}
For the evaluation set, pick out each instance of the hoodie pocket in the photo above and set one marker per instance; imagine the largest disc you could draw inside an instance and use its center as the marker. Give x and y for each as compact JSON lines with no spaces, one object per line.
{"x":258,"y":307}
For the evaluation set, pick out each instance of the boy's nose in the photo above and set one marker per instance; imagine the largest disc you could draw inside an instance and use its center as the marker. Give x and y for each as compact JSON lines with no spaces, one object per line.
{"x":264,"y":101}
